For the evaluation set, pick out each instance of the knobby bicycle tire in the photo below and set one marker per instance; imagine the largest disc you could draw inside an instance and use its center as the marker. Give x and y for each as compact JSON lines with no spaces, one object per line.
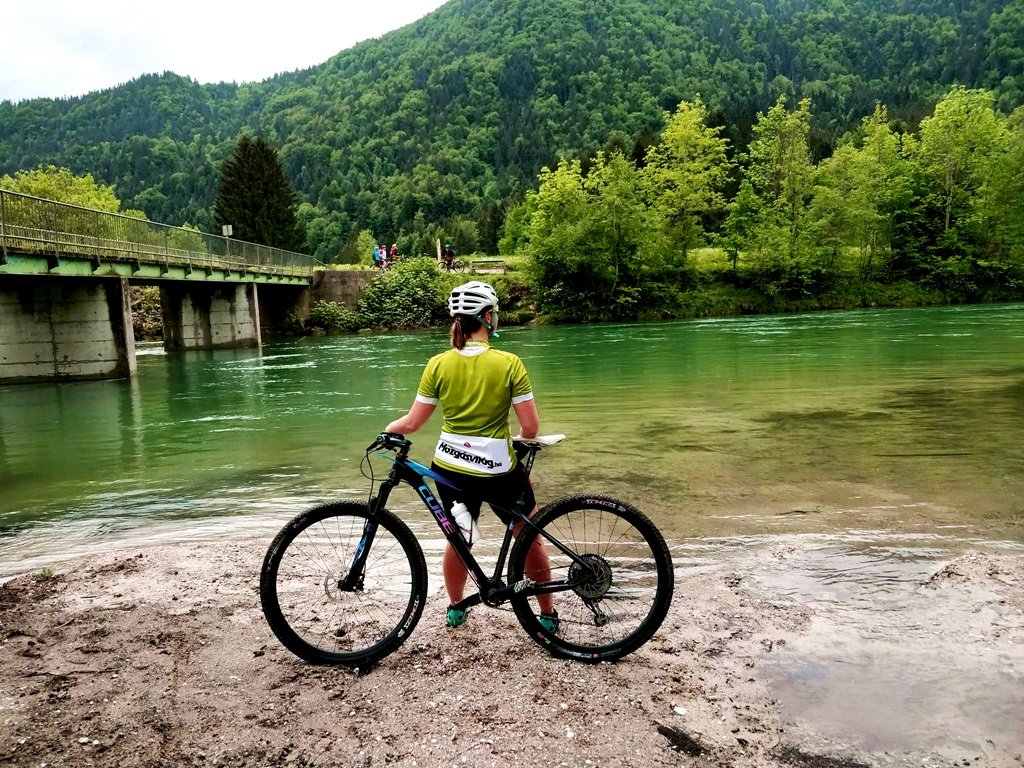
{"x":312,"y":616}
{"x":623,"y":588}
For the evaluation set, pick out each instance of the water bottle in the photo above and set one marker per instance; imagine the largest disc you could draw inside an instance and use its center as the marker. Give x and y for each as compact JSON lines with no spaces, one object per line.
{"x":467,"y":525}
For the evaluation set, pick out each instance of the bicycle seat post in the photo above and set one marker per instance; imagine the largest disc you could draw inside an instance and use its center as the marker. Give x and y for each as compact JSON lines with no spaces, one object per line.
{"x":531,"y":454}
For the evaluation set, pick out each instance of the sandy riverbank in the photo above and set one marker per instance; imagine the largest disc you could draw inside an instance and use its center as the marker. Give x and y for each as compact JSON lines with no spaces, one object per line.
{"x":161,"y":657}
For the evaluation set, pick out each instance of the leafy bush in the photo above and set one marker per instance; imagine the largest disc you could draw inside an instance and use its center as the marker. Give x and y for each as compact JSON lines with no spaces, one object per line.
{"x":334,"y":317}
{"x":293,"y":324}
{"x":147,"y":315}
{"x":412,"y":295}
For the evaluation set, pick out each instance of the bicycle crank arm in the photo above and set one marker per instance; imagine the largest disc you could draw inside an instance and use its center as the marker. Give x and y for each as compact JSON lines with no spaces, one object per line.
{"x":527,"y":588}
{"x":469,"y":602}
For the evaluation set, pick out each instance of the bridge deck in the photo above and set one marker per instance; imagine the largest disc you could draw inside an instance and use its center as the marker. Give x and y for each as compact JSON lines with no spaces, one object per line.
{"x":45,"y":237}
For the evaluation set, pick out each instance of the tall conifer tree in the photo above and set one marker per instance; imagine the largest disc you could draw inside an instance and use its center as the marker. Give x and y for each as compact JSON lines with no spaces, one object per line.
{"x":254,"y":197}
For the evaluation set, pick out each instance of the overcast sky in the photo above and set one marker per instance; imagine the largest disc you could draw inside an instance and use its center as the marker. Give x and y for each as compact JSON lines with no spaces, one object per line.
{"x":59,"y":48}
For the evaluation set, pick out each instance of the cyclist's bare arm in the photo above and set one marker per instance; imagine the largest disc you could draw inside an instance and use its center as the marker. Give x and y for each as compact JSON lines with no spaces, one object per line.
{"x":413,"y":420}
{"x":529,"y":419}
{"x":420,"y":413}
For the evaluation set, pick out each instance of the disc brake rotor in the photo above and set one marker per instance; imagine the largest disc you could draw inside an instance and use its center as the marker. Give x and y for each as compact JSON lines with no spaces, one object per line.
{"x":594,"y":575}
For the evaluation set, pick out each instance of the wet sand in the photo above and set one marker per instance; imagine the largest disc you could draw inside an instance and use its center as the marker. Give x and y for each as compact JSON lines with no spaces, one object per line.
{"x":159,"y":656}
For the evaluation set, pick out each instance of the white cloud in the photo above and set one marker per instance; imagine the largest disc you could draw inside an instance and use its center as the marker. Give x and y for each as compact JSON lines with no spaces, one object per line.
{"x":56,"y":48}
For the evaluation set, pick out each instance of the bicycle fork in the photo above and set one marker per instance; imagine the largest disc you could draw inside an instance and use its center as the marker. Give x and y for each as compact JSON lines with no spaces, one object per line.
{"x":353,"y":580}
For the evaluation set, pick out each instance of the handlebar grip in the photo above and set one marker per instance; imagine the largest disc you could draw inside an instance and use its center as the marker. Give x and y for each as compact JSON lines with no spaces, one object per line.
{"x":389,"y":440}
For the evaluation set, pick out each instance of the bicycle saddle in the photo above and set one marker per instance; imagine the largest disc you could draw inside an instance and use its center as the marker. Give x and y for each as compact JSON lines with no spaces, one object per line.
{"x":540,"y":441}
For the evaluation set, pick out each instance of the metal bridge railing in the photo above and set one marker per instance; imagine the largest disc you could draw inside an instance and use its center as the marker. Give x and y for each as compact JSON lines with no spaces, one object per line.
{"x":31,"y":225}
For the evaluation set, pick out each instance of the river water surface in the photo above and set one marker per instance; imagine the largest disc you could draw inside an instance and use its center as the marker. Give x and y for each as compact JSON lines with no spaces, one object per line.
{"x":878,"y":444}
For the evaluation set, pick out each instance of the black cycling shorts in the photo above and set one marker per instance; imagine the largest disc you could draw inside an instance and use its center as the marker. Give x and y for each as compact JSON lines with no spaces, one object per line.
{"x":500,"y":491}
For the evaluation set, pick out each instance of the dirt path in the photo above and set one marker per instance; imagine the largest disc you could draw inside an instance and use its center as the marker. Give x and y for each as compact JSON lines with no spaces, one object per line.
{"x":161,"y":657}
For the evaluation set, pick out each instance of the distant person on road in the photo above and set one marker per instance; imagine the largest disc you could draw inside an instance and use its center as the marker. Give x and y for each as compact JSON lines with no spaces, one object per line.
{"x":448,"y":255}
{"x":376,"y":257}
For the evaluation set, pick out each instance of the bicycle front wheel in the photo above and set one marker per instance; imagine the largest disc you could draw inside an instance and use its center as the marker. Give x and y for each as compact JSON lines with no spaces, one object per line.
{"x":615,"y":589}
{"x":317,"y":611}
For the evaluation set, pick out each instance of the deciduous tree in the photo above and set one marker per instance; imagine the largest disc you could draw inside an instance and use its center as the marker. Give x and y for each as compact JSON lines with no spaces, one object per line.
{"x":780,"y":172}
{"x":958,"y":145}
{"x":741,"y":224}
{"x":1001,"y":197}
{"x":687,"y":170}
{"x":858,"y":189}
{"x":780,"y":168}
{"x":60,"y":184}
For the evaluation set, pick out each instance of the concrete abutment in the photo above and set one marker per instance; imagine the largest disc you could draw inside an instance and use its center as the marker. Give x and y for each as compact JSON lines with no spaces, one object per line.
{"x":65,"y":329}
{"x":210,"y":316}
{"x":57,"y":328}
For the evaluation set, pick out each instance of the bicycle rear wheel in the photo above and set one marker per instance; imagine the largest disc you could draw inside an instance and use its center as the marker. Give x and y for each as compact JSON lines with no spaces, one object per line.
{"x":302,"y":585}
{"x":618,"y":587}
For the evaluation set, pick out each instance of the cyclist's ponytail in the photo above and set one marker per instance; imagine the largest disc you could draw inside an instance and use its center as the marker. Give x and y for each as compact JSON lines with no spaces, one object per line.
{"x":463,"y":326}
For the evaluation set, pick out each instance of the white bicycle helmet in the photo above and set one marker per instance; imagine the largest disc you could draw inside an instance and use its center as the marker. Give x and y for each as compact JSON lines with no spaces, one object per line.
{"x":472,"y":298}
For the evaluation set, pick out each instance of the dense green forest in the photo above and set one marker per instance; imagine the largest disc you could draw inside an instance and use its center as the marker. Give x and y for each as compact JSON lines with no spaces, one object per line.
{"x":438,"y":129}
{"x":890,"y":217}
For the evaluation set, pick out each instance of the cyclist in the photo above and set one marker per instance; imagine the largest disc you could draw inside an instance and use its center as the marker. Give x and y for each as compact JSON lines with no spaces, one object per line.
{"x":476,"y":386}
{"x":448,"y":255}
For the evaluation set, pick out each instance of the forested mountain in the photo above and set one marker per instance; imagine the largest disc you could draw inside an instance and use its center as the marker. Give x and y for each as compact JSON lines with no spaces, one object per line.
{"x":446,"y":120}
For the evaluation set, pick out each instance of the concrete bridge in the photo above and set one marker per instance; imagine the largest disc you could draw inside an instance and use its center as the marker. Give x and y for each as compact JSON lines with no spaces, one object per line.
{"x":64,"y":277}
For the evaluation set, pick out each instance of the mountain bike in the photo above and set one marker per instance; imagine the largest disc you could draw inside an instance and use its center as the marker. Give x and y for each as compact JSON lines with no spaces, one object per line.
{"x":345,"y":582}
{"x":451,"y":265}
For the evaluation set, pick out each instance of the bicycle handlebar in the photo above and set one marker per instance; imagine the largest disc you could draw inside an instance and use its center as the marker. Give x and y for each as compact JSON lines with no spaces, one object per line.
{"x":391,"y":441}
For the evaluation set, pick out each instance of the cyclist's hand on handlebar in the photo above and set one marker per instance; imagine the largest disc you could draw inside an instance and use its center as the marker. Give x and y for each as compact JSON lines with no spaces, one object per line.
{"x":387,"y":440}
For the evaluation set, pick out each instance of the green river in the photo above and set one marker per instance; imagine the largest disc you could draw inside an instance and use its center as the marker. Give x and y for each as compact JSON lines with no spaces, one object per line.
{"x":908,"y":420}
{"x":873,"y":445}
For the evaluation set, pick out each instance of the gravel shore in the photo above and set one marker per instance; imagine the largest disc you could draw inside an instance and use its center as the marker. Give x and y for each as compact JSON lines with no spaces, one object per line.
{"x":161,"y":657}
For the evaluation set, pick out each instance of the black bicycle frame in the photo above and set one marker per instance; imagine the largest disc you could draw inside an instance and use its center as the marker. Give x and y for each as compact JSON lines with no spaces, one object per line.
{"x":491,"y":589}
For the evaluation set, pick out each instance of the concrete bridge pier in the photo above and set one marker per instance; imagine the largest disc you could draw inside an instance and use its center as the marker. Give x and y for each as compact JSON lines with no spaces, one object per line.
{"x":210,"y":315}
{"x":65,"y":329}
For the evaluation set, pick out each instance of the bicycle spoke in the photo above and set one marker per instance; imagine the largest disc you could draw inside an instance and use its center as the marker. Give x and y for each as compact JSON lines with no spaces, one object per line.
{"x":314,"y":605}
{"x":617,"y":581}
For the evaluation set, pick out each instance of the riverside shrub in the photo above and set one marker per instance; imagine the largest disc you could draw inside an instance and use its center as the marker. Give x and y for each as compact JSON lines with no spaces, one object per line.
{"x":409,"y":296}
{"x":334,"y":317}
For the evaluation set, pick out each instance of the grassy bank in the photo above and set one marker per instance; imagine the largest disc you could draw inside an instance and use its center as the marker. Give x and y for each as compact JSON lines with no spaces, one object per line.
{"x":413,"y":295}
